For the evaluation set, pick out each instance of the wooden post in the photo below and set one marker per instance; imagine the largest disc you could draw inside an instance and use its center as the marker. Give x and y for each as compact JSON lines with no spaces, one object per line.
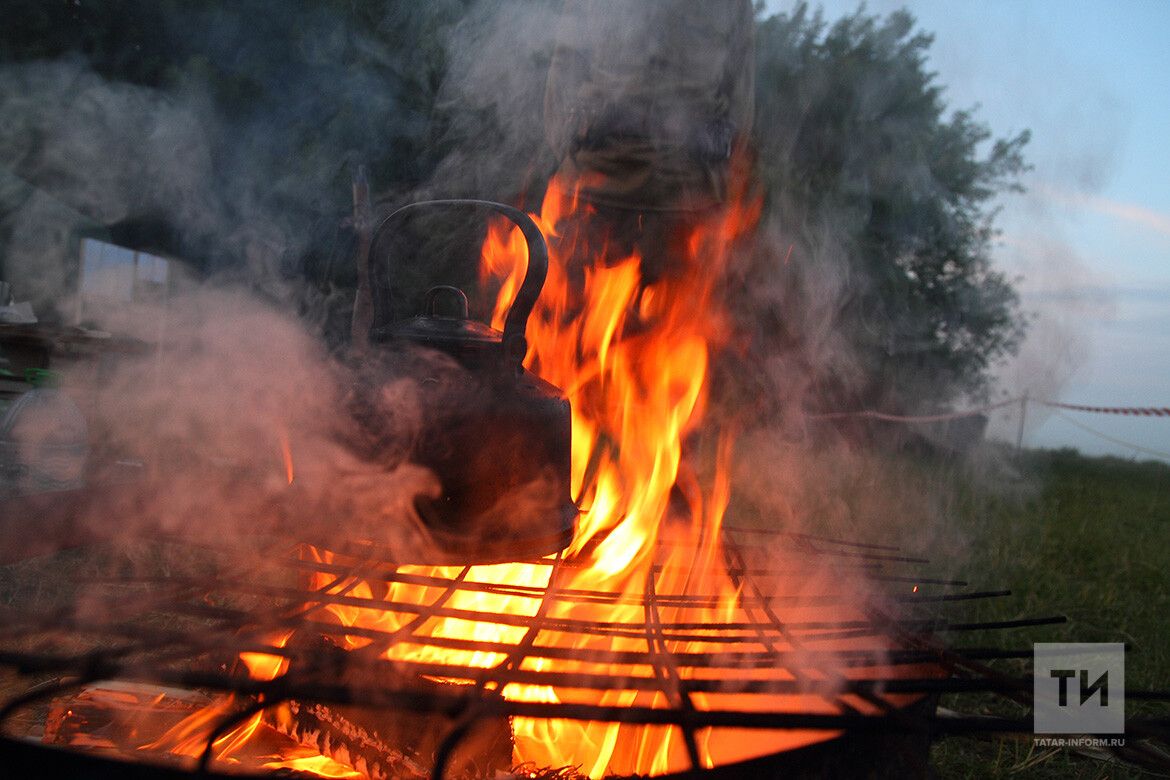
{"x":1023,"y":414}
{"x":363,"y":304}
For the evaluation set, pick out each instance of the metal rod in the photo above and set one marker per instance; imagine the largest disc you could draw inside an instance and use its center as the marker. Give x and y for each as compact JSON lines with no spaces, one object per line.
{"x":571,"y":625}
{"x":446,"y":748}
{"x":734,"y":660}
{"x":731,"y":529}
{"x":666,"y":674}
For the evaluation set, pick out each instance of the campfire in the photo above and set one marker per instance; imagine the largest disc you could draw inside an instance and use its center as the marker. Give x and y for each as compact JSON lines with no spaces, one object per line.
{"x":660,"y":640}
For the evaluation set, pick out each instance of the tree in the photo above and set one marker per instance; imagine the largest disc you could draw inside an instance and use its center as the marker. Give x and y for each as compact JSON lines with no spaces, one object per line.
{"x":887,"y":200}
{"x":884,"y":196}
{"x":286,"y":97}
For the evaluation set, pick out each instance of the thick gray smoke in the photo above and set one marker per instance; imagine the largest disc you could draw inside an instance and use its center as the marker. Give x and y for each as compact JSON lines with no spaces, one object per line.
{"x":78,"y":149}
{"x":239,"y":420}
{"x":80,"y":152}
{"x":75,"y":142}
{"x":230,"y":383}
{"x":237,"y":159}
{"x":498,"y":58}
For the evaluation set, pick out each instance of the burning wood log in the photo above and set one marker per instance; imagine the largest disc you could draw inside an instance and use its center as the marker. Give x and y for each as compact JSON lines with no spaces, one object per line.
{"x":125,"y":717}
{"x":330,"y":732}
{"x":381,"y":742}
{"x":119,"y":716}
{"x":394,"y":744}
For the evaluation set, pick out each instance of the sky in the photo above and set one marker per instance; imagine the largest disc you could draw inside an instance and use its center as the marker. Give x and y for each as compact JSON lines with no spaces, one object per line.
{"x":1090,"y":238}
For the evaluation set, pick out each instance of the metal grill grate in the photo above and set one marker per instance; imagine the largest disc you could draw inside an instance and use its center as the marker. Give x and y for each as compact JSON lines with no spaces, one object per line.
{"x":819,"y":661}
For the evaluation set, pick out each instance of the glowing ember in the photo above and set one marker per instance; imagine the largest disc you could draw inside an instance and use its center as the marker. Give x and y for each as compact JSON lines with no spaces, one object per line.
{"x":314,"y":764}
{"x":189,"y":737}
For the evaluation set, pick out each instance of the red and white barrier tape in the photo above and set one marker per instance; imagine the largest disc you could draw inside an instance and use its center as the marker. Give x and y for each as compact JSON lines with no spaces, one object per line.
{"x":1137,"y":411}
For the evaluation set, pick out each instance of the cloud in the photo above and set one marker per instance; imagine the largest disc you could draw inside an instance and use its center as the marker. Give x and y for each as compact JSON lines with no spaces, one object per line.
{"x":1134,"y":213}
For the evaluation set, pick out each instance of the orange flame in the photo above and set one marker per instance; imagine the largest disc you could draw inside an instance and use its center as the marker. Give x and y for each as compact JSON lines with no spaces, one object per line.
{"x":285,"y":452}
{"x":632,"y":355}
{"x":189,"y":736}
{"x":315,"y":764}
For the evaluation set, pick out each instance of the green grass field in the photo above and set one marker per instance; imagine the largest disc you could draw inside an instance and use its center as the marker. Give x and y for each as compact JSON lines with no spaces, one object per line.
{"x":1088,"y":538}
{"x":1091,"y":542}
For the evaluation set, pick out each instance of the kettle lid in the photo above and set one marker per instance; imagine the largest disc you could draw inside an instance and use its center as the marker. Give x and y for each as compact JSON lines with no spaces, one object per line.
{"x":442,"y":331}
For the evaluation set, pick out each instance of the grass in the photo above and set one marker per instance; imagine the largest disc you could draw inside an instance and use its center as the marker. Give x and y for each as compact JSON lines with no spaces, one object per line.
{"x":1088,"y":538}
{"x":1092,"y":543}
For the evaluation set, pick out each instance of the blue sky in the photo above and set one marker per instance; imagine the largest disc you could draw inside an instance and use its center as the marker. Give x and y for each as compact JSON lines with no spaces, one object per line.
{"x":1091,"y":236}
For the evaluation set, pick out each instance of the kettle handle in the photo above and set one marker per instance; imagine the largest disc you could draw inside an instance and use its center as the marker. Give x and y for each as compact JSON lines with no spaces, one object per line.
{"x":515,"y":344}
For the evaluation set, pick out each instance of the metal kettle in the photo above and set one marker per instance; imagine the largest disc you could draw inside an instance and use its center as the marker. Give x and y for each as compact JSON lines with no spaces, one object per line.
{"x":497,"y":437}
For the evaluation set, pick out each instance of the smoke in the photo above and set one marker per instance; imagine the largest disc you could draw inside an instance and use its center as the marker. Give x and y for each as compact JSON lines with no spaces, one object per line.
{"x":77,"y":148}
{"x":243,"y":157}
{"x":1060,"y":290}
{"x":83,"y":152}
{"x":240,"y":151}
{"x":228,"y":382}
{"x":493,"y":98}
{"x":243,"y":189}
{"x":1061,"y":285}
{"x":250,"y":193}
{"x":1063,"y":288}
{"x":107,"y":149}
{"x":1080,"y":125}
{"x":239,"y":418}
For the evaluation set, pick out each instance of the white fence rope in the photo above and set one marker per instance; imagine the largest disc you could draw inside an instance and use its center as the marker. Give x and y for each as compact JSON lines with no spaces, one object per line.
{"x":1130,"y":411}
{"x":1113,"y":439}
{"x":913,"y":418}
{"x":1133,"y":411}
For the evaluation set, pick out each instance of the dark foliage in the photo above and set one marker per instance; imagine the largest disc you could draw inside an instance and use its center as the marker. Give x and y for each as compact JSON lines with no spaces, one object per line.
{"x":292,"y":94}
